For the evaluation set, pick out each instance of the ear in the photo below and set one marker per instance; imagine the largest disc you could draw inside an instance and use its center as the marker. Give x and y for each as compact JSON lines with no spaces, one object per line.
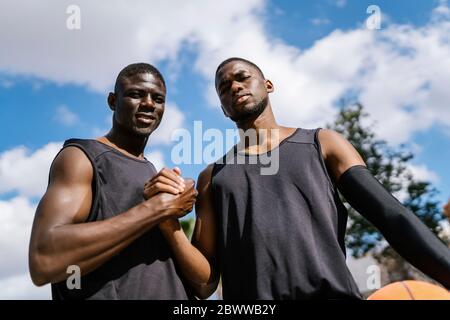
{"x":269,"y":86}
{"x":112,"y":101}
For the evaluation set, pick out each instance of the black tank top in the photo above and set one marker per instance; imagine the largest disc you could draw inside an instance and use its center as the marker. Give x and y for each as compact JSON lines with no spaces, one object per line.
{"x":281,"y":236}
{"x":143,"y":270}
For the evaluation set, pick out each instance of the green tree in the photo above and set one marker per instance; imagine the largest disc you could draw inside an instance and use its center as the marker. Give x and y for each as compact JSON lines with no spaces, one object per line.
{"x":390,"y":166}
{"x":188,"y":226}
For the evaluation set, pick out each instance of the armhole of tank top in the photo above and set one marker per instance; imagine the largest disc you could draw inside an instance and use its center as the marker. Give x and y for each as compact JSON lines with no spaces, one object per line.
{"x":322,"y":160}
{"x":153,"y":166}
{"x":94,"y":206}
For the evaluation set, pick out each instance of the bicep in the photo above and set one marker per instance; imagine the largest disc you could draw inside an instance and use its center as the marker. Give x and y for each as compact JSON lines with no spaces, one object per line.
{"x":338,"y":152}
{"x":204,"y":237}
{"x":68,"y":197}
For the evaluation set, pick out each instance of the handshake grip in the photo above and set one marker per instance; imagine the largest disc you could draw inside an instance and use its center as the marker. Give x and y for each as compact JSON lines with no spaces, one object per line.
{"x":175,"y":205}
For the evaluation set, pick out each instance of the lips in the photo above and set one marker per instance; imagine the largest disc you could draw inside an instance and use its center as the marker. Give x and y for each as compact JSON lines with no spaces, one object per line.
{"x":240,"y":98}
{"x":145,"y":118}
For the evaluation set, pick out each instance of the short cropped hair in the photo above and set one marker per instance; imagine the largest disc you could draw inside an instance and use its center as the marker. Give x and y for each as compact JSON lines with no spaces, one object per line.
{"x":138,"y":68}
{"x":239,"y":59}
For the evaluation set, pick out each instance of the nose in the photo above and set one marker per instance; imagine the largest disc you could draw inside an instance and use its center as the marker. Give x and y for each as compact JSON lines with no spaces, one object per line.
{"x":148,"y":102}
{"x":236,"y":86}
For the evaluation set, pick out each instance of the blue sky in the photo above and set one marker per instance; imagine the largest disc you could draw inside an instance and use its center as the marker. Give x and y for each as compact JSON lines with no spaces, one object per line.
{"x":54,"y":81}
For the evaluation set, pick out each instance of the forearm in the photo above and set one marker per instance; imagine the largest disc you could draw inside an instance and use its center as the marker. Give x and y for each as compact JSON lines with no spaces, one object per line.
{"x":196,"y":268}
{"x":89,"y":245}
{"x":401,"y":228}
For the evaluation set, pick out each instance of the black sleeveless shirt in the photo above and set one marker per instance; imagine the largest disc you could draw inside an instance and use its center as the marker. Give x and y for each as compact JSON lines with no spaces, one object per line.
{"x":143,"y":270}
{"x":281,"y":236}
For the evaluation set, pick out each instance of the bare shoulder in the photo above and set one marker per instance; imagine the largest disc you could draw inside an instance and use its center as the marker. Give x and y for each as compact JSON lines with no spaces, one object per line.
{"x":330,"y":139}
{"x":338,"y":152}
{"x":68,"y":197}
{"x":71,"y":166}
{"x":204,"y":177}
{"x":334,"y":144}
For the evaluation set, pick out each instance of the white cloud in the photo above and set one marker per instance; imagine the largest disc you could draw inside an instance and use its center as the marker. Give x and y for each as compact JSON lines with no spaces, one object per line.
{"x":26,"y":172}
{"x":21,"y":288}
{"x":172,"y":120}
{"x":422,"y":173}
{"x":445,"y":232}
{"x":65,"y":116}
{"x":157,"y":158}
{"x":15,"y":228}
{"x":442,"y":11}
{"x":141,"y":31}
{"x":419,"y":172}
{"x":399,"y":72}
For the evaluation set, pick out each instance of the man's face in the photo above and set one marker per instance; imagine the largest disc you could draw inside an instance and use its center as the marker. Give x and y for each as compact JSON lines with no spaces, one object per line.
{"x":242,"y":90}
{"x":139,"y":103}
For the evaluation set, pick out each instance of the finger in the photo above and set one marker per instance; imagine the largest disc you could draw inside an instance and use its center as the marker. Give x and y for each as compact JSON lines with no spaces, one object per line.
{"x":190,"y":183}
{"x":164,"y":180}
{"x":177,"y":171}
{"x":159,"y":187}
{"x":170,"y":174}
{"x":164,"y":172}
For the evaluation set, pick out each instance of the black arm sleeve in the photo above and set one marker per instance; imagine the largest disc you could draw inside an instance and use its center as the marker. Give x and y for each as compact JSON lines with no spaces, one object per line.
{"x":402,"y":229}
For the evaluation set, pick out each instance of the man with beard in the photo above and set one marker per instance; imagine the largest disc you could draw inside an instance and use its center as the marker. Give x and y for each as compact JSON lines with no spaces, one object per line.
{"x":93,"y":216}
{"x":281,"y":235}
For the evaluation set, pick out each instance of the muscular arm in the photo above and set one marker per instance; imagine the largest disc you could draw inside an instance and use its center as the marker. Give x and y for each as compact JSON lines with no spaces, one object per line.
{"x":401,"y":228}
{"x":205,"y":231}
{"x":338,"y":153}
{"x":60,"y":237}
{"x":196,"y":259}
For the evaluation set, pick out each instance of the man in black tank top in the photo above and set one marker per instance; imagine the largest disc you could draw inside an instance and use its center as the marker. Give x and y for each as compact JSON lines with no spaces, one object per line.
{"x":96,"y":220}
{"x":279,"y":234}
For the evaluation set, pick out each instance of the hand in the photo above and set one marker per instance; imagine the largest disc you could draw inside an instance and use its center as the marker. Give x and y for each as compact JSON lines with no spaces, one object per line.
{"x":177,"y":206}
{"x":166,"y":180}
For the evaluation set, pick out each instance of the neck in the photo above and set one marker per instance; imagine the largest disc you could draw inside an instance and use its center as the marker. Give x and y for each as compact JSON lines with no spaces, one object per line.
{"x":265,"y":120}
{"x":126,"y":141}
{"x":265,"y":129}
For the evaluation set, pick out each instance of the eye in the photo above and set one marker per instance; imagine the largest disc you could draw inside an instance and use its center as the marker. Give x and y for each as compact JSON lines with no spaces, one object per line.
{"x":134,"y":94}
{"x":159,"y":100}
